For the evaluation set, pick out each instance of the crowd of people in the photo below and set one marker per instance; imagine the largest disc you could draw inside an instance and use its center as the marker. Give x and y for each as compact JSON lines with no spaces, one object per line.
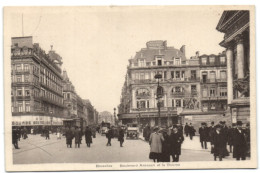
{"x":166,"y":142}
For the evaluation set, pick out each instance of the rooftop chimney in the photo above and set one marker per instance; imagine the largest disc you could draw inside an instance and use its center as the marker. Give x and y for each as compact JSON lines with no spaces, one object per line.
{"x":197,"y":54}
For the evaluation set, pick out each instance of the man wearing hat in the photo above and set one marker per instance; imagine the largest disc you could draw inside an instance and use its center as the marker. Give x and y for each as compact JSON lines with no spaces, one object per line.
{"x":225,"y":133}
{"x":211,"y":134}
{"x":231,"y":136}
{"x":203,"y":135}
{"x":218,"y":143}
{"x":240,"y":144}
{"x":176,"y":138}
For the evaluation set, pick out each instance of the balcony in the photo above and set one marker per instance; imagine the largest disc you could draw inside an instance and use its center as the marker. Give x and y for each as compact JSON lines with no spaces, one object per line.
{"x":20,"y":71}
{"x":208,"y":81}
{"x":177,"y":94}
{"x":21,"y":97}
{"x":211,"y":98}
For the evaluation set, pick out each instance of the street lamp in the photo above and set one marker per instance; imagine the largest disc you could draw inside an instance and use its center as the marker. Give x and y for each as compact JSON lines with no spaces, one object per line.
{"x":51,"y":119}
{"x":159,"y":96}
{"x":115,"y":115}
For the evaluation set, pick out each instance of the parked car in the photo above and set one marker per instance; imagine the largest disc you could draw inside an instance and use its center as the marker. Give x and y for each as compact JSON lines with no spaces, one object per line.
{"x":132,"y":131}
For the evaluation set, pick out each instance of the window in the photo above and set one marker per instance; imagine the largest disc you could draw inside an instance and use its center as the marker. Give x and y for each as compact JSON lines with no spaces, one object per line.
{"x":141,"y":63}
{"x":142,"y":76}
{"x":18,"y":67}
{"x":137,"y":76}
{"x":193,"y":74}
{"x":177,"y":74}
{"x":165,"y":74}
{"x":26,"y":67}
{"x":193,"y":88}
{"x":68,"y":95}
{"x":172,"y":74}
{"x":148,"y":64}
{"x":147,"y":104}
{"x":19,"y":92}
{"x":171,"y":62}
{"x":223,"y":91}
{"x":177,"y":61}
{"x":222,"y":60}
{"x":212,"y":76}
{"x":212,"y":60}
{"x":183,"y":74}
{"x":19,"y":78}
{"x":204,"y":61}
{"x":20,"y":107}
{"x":159,"y":62}
{"x":27,"y":92}
{"x":178,"y":103}
{"x":177,"y":89}
{"x":212,"y":92}
{"x":27,"y":106}
{"x":223,"y":75}
{"x":26,"y":78}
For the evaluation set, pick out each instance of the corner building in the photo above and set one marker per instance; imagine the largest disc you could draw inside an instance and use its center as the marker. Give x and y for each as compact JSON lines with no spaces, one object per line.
{"x":37,"y":98}
{"x":180,"y":82}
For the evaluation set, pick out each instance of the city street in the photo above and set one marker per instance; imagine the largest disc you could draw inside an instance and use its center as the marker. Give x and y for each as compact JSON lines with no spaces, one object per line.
{"x":36,"y":149}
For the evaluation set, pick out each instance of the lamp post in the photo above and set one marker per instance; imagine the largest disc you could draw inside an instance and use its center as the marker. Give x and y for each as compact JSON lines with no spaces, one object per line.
{"x":159,"y":94}
{"x":115,"y":115}
{"x":51,"y":119}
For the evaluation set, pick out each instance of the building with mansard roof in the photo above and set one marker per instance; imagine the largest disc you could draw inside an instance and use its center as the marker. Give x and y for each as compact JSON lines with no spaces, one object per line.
{"x":37,"y":98}
{"x":181,"y":82}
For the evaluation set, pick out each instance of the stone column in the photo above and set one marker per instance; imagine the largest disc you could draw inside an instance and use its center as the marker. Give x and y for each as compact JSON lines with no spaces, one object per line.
{"x":229,"y":54}
{"x":240,"y":57}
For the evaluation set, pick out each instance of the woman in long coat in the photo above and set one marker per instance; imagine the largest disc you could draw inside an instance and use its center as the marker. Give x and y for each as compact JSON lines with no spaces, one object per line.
{"x":88,"y":136}
{"x":155,"y":142}
{"x":69,"y":137}
{"x":165,"y":156}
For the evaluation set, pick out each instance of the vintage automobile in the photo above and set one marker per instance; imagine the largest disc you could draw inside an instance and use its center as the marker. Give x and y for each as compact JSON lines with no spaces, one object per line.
{"x":104,"y":128}
{"x":132,"y":131}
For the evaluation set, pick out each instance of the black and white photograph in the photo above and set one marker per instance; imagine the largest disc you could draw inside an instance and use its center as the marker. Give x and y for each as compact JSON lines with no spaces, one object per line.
{"x":129,"y":87}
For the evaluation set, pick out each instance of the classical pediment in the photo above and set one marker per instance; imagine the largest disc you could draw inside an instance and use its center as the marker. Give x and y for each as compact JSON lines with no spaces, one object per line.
{"x":226,"y":16}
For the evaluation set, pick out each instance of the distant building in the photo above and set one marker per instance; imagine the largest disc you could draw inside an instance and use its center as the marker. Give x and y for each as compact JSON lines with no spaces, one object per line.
{"x":37,"y":98}
{"x":105,"y":116}
{"x":236,"y":26}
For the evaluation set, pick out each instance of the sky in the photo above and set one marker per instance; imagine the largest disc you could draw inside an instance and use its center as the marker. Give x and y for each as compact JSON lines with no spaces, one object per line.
{"x":96,"y":43}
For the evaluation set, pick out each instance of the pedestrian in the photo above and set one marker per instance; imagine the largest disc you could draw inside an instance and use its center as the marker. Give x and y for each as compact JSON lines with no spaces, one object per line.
{"x":22,"y":132}
{"x":240,"y":143}
{"x":155,"y":142}
{"x":191,"y":131}
{"x":247,"y":132}
{"x":218,"y":143}
{"x":203,"y":131}
{"x":109,"y":136}
{"x":58,"y":133}
{"x":25,"y":133}
{"x":121,"y":136}
{"x":93,"y":129}
{"x":186,"y":129}
{"x":69,"y":137}
{"x":88,"y":136}
{"x":231,"y":137}
{"x":19,"y":133}
{"x":77,"y":137}
{"x":47,"y":134}
{"x":165,"y":156}
{"x":176,"y":139}
{"x":15,"y":137}
{"x":32,"y":131}
{"x":225,"y":133}
{"x":211,"y":131}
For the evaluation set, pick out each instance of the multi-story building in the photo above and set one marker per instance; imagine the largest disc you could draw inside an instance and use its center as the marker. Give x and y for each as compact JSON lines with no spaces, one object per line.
{"x":213,"y":82}
{"x":235,"y":25}
{"x":37,"y":98}
{"x":180,"y":82}
{"x":194,"y":89}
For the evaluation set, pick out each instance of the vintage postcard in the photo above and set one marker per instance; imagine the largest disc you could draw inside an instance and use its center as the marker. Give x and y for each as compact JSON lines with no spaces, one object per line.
{"x":129,"y":88}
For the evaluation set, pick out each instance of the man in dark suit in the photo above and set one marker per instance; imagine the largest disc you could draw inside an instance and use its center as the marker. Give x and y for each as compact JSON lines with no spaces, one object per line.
{"x":240,"y":143}
{"x":186,"y":129}
{"x":109,"y":136}
{"x":203,"y":131}
{"x":15,"y":137}
{"x":218,"y":143}
{"x":176,"y":138}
